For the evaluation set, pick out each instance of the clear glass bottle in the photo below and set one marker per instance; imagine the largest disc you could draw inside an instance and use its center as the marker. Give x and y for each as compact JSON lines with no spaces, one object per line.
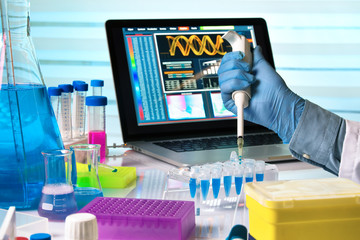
{"x":27,"y":122}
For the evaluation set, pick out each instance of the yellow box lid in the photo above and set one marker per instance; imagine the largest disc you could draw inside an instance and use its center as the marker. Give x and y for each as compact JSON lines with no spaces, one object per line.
{"x":295,"y":193}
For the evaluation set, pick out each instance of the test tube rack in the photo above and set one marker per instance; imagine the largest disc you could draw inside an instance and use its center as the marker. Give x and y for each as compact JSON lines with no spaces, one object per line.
{"x":130,"y":218}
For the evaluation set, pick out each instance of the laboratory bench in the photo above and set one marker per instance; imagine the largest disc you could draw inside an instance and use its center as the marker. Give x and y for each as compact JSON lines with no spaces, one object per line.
{"x":152,"y":179}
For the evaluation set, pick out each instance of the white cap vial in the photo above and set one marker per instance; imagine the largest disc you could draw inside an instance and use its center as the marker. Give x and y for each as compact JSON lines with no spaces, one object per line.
{"x":81,"y":226}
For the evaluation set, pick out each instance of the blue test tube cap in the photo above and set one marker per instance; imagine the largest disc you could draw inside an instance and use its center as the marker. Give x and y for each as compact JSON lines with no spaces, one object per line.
{"x":54,"y":91}
{"x":97,"y":83}
{"x":81,"y":87}
{"x":40,"y":236}
{"x":75,"y":82}
{"x":96,"y":101}
{"x":68,"y":88}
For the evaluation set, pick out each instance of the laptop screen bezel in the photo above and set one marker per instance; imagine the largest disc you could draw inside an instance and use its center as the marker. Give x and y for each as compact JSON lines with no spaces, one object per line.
{"x":131,"y":131}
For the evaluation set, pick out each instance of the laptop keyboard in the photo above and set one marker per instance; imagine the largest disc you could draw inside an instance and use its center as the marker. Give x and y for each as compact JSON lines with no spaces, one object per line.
{"x":219,"y":142}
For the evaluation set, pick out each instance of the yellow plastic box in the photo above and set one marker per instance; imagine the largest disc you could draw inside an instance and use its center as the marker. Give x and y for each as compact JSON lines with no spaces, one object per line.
{"x":304,"y":209}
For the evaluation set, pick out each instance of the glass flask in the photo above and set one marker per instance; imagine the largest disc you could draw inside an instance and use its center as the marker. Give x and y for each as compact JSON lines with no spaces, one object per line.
{"x":58,"y":199}
{"x":86,"y":180}
{"x":27,"y":121}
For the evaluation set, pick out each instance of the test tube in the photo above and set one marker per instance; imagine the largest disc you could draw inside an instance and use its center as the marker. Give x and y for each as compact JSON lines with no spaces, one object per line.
{"x":204,"y":182}
{"x":259,"y":170}
{"x":79,"y":110}
{"x":193,"y":184}
{"x":216,"y":172}
{"x":227,"y":176}
{"x":97,"y":85}
{"x":96,"y":122}
{"x":238,"y":174}
{"x":249,"y":166}
{"x":65,"y":111}
{"x":54,"y":95}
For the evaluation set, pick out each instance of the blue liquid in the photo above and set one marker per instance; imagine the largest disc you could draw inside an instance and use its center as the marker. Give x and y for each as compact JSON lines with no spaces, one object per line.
{"x":249,"y":179}
{"x":205,"y":185}
{"x":227,"y":185}
{"x":57,"y":206}
{"x":84,"y":195}
{"x":238,"y":184}
{"x":192,"y":186}
{"x":259,"y":177}
{"x":216,"y":187}
{"x":30,"y":130}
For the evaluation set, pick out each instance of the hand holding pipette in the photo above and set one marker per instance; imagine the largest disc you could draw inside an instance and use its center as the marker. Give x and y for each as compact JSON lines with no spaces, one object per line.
{"x":240,"y":97}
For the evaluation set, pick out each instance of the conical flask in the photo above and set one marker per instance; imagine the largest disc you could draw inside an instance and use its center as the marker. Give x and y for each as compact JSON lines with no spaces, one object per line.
{"x":27,"y":121}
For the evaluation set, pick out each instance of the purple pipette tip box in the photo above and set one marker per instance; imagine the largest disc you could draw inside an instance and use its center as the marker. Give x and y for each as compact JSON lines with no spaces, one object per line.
{"x":131,"y":218}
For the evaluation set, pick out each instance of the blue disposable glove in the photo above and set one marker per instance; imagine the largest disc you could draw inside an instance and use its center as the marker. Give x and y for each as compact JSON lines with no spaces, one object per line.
{"x":272,"y":104}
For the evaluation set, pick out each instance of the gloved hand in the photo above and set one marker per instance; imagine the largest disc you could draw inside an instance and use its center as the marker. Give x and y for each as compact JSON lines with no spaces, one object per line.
{"x":272,"y":104}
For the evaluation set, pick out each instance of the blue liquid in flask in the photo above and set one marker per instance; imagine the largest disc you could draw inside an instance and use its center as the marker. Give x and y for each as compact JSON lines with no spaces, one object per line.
{"x":84,"y":195}
{"x":57,"y":202}
{"x":27,"y":127}
{"x":216,"y":187}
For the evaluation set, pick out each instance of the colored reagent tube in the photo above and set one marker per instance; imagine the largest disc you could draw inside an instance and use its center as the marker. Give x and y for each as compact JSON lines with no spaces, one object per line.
{"x":227,"y":180}
{"x":193,"y":185}
{"x":96,"y":123}
{"x":249,"y":170}
{"x":259,"y":170}
{"x":54,"y":94}
{"x":97,"y":86}
{"x":65,"y":111}
{"x":204,"y":182}
{"x":79,"y":110}
{"x":239,"y":173}
{"x":215,"y":181}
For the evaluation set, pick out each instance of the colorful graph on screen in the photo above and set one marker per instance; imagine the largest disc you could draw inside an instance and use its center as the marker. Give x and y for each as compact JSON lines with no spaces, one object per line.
{"x":218,"y":106}
{"x":195,"y":44}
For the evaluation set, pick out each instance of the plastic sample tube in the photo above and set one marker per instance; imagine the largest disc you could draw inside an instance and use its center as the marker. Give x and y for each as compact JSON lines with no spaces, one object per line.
{"x":65,"y":111}
{"x":249,"y":170}
{"x":259,"y":170}
{"x":79,"y":110}
{"x":204,"y":182}
{"x":227,"y":176}
{"x":54,"y":95}
{"x":215,"y":180}
{"x":238,"y":174}
{"x":96,"y":122}
{"x":97,"y":86}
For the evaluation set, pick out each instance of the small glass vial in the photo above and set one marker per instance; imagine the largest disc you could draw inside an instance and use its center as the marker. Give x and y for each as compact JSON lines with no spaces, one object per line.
{"x":79,"y":109}
{"x":97,"y":86}
{"x":65,"y":111}
{"x":54,"y":95}
{"x":96,"y":123}
{"x":58,"y":199}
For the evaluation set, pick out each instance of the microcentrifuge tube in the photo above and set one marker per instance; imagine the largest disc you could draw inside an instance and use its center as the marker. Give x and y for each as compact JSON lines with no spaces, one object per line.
{"x":249,"y":170}
{"x":215,"y":180}
{"x":204,"y":182}
{"x":259,"y":170}
{"x":227,"y":176}
{"x":193,"y":184}
{"x":238,"y":173}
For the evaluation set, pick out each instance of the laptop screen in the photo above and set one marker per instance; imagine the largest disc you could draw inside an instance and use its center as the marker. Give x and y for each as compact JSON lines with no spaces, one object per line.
{"x":165,"y":73}
{"x":173,"y":71}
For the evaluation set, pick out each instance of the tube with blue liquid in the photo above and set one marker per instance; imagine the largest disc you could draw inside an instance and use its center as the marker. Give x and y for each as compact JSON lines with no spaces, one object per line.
{"x":259,"y":170}
{"x":249,"y":166}
{"x":216,"y":180}
{"x":239,"y":174}
{"x":204,"y":182}
{"x":227,"y":176}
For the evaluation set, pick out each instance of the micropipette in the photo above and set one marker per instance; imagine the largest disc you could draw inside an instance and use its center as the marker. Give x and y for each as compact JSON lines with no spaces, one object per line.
{"x":241,"y":97}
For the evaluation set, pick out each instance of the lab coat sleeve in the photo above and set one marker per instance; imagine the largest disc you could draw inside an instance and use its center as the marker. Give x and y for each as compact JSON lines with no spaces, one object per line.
{"x":318,"y":138}
{"x":350,"y":158}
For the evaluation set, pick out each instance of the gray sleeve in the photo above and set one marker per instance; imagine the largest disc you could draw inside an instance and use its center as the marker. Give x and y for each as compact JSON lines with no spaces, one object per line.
{"x":318,"y":138}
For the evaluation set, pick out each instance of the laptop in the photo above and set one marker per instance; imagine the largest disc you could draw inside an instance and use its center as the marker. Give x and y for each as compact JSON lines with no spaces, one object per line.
{"x":167,"y":90}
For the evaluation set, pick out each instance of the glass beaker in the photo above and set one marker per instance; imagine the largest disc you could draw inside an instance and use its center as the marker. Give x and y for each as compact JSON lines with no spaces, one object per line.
{"x":27,"y":122}
{"x":58,"y":199}
{"x":86,"y":181}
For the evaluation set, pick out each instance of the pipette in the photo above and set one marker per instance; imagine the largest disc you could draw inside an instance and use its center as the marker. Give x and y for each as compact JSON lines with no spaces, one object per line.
{"x":241,"y":97}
